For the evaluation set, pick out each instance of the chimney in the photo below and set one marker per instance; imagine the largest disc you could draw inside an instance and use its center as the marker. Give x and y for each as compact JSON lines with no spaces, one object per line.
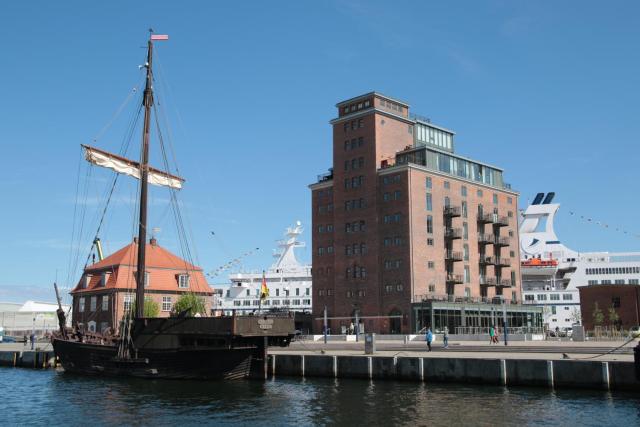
{"x":153,"y":241}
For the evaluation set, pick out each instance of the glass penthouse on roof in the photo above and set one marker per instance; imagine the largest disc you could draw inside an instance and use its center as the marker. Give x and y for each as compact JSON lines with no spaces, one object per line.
{"x":433,"y":148}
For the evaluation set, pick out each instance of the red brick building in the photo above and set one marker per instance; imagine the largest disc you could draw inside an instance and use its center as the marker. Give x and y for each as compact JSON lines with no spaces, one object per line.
{"x":401,"y":222}
{"x":107,"y":288}
{"x":624,"y":299}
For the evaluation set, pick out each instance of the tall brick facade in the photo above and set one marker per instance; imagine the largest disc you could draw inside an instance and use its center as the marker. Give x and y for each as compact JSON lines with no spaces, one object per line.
{"x":400,"y":218}
{"x":623,"y":299}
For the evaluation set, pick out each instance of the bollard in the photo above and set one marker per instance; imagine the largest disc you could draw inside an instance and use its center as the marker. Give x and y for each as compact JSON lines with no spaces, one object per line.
{"x":636,"y":360}
{"x":369,"y":343}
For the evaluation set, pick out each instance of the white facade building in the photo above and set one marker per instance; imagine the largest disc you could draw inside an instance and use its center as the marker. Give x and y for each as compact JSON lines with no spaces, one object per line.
{"x":40,"y":317}
{"x":289,"y":283}
{"x":552,"y":273}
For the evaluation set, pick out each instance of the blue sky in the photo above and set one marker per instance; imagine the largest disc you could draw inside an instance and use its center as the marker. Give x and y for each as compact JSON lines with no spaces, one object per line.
{"x":546,"y":90}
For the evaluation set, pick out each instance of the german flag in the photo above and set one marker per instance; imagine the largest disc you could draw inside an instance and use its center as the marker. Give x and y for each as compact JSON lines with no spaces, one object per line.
{"x":264,"y":291}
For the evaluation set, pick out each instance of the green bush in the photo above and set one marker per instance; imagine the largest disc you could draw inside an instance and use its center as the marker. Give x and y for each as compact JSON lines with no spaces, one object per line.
{"x":191,"y":302}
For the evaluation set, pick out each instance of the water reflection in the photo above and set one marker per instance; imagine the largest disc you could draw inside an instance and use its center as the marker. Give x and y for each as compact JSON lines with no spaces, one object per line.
{"x":39,"y":397}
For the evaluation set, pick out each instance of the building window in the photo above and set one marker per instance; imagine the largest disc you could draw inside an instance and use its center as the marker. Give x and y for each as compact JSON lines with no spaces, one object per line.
{"x":128,"y":300}
{"x":465,"y":252}
{"x":429,"y":224}
{"x":495,"y":199}
{"x":93,"y":303}
{"x":104,"y":279}
{"x":464,"y":209}
{"x":463,"y":191}
{"x":431,"y":265}
{"x":509,"y":200}
{"x":183,"y":281}
{"x":105,"y":303}
{"x":429,"y":202}
{"x":479,"y":193}
{"x":465,"y":230}
{"x":429,"y":182}
{"x":81,"y":304}
{"x":615,"y":302}
{"x":432,"y":288}
{"x":166,"y":303}
{"x":467,"y":274}
{"x":429,"y":242}
{"x":447,"y":185}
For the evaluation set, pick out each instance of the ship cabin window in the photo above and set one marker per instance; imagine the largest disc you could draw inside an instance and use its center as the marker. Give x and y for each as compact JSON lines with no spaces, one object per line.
{"x":567,"y":297}
{"x":248,"y":292}
{"x":555,"y":297}
{"x":183,"y":280}
{"x":528,"y":297}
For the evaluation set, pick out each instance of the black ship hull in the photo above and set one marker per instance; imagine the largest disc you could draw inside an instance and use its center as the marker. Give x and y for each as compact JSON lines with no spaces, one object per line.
{"x":102,"y":360}
{"x":192,"y":348}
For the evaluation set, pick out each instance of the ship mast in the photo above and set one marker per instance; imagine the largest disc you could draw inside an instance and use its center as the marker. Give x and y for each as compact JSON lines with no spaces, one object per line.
{"x":144,"y":178}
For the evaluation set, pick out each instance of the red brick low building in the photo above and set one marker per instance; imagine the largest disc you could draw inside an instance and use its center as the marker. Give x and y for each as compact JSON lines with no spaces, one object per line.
{"x":624,"y":299}
{"x":107,"y":288}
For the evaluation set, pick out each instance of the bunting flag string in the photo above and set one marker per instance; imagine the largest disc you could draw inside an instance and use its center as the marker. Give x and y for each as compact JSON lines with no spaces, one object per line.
{"x":588,"y":220}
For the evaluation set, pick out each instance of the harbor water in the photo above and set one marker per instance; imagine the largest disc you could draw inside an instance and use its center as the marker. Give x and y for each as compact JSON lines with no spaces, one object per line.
{"x":31,"y":397}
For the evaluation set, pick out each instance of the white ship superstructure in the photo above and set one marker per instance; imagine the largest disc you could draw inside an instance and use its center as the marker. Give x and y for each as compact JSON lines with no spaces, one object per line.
{"x":288,"y":280}
{"x":552,"y":273}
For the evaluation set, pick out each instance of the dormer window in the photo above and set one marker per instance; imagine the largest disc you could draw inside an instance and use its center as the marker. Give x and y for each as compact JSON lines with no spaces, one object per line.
{"x":105,"y":278}
{"x":183,"y":281}
{"x":87,"y":281}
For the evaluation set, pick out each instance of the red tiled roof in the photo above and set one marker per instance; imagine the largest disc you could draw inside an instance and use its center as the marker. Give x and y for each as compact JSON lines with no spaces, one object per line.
{"x":162,"y":266}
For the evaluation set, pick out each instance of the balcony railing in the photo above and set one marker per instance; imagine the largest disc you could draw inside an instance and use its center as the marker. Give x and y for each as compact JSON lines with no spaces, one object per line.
{"x":501,"y":221}
{"x":460,"y":299}
{"x":487,"y":260}
{"x":454,"y":278}
{"x":486,"y":239}
{"x":502,"y":262}
{"x":452,"y":211}
{"x":505,"y":283}
{"x":502,"y":241}
{"x":453,"y":233}
{"x":485,"y":218}
{"x":487,"y":281}
{"x":328,"y":176}
{"x":453,"y":256}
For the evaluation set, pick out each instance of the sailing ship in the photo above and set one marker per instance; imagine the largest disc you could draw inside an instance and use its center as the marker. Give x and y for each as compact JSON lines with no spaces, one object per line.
{"x":182,"y":346}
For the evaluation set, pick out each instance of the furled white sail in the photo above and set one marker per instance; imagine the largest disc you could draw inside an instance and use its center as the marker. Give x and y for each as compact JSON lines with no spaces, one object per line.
{"x":129,"y":167}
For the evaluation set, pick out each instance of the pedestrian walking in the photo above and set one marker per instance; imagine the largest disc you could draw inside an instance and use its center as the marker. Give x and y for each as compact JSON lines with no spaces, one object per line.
{"x":429,"y":338}
{"x":351,"y":328}
{"x":492,"y":333}
{"x":445,"y":337}
{"x":496,"y":337}
{"x":32,"y":338}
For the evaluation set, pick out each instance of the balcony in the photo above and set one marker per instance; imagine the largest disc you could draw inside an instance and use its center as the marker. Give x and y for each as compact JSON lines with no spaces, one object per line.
{"x":501,"y":221}
{"x":452,"y":211}
{"x":486,"y":239}
{"x":502,"y":241}
{"x":505,"y":283}
{"x":453,"y":279}
{"x":485,"y":218}
{"x":326,"y":176}
{"x":453,"y":233}
{"x":486,"y":260}
{"x":488,"y":281}
{"x":502,"y":262}
{"x":453,"y":256}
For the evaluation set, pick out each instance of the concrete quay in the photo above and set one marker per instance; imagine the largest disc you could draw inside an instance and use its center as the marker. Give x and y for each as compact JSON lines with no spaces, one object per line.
{"x":583,"y":368}
{"x":17,"y":355}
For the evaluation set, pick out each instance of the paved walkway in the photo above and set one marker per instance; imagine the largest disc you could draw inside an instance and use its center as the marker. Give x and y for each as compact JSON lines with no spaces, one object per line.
{"x":542,"y":350}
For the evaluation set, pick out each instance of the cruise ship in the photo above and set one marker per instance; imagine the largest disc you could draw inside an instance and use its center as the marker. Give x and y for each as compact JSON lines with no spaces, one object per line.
{"x":288,"y":280}
{"x":552,"y":273}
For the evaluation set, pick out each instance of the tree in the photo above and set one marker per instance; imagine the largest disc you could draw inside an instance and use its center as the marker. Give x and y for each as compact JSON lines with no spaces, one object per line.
{"x":151,"y":308}
{"x":613,"y":316}
{"x":598,"y":316}
{"x":190,"y":302}
{"x":575,"y":316}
